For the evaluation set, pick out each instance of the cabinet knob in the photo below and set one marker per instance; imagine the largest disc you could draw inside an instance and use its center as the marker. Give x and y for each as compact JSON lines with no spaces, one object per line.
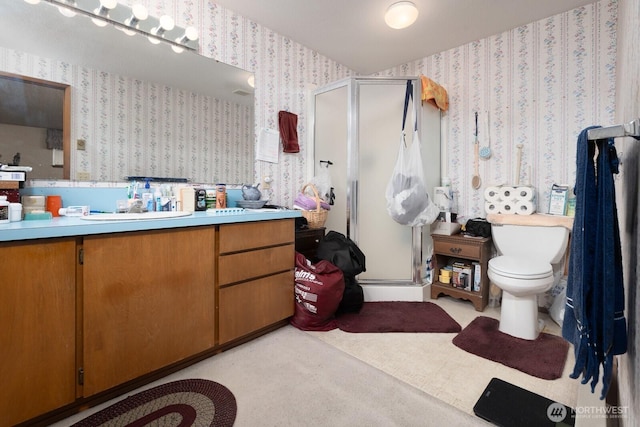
{"x":455,"y":250}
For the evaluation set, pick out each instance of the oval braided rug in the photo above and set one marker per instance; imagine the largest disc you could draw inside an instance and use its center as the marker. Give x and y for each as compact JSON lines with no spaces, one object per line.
{"x":194,"y":402}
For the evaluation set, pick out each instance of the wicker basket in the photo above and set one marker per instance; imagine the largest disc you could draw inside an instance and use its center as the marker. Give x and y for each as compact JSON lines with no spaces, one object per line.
{"x":316,"y":218}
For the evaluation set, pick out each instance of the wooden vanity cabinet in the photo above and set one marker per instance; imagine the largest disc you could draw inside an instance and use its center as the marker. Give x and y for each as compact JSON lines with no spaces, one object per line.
{"x":37,"y":328}
{"x":255,"y":276}
{"x":148,"y":301}
{"x":82,"y":318}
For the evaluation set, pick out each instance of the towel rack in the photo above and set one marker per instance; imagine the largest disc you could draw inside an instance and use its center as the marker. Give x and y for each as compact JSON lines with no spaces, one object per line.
{"x":626,"y":129}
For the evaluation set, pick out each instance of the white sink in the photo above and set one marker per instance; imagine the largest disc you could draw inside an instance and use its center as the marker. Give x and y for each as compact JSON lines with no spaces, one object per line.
{"x":134,"y":216}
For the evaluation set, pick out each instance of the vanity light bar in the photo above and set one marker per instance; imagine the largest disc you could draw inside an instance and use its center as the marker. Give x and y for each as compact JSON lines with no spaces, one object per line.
{"x":131,"y":21}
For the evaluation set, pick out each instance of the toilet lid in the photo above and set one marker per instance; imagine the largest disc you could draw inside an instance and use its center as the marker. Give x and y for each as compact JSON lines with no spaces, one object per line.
{"x":519,"y":267}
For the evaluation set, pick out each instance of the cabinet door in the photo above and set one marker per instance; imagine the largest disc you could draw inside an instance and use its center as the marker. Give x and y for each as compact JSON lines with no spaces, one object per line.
{"x":250,"y":306}
{"x":148,"y":301}
{"x":37,"y":328}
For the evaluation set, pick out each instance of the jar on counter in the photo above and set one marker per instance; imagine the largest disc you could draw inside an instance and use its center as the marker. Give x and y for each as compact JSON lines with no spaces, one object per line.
{"x":221,"y":196}
{"x":15,"y":212}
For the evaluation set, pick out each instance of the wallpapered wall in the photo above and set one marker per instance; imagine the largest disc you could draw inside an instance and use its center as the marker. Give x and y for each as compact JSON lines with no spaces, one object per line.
{"x":540,"y":85}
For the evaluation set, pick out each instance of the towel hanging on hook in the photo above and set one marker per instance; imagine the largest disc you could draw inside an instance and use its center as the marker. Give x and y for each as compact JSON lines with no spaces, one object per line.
{"x":288,"y":124}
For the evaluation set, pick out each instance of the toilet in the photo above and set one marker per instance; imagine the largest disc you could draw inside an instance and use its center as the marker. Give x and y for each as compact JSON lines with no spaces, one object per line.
{"x":530,"y":261}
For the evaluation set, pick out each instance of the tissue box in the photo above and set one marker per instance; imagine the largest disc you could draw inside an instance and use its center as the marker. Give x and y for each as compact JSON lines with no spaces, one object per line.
{"x":445,"y":228}
{"x":446,"y":224}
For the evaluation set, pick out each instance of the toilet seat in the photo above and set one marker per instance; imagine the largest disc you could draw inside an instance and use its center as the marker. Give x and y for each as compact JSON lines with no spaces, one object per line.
{"x":520,"y":268}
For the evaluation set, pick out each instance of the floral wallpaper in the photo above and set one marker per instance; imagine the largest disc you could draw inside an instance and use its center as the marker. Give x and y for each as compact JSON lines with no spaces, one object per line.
{"x":539,"y":85}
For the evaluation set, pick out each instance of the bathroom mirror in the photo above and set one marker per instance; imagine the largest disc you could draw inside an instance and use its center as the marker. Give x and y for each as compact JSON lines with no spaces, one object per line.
{"x":140,"y":109}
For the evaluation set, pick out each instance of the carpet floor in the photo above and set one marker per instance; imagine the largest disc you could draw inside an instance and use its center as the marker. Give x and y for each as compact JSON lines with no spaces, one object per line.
{"x":289,"y":378}
{"x":433,"y":364}
{"x":293,"y":378}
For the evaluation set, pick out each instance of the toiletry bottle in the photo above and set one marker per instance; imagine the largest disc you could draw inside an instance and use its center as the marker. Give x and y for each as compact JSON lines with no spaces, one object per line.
{"x":157,"y":196}
{"x":147,"y":197}
{"x":221,"y":196}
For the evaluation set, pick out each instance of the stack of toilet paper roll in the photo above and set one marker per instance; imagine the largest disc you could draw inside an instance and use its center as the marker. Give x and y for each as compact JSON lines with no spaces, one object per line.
{"x":510,"y":200}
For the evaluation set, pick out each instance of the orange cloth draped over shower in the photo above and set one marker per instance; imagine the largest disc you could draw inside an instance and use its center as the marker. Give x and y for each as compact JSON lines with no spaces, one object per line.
{"x":434,"y":94}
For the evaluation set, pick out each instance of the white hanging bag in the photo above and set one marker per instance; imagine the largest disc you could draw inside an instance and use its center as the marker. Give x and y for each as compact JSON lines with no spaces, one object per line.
{"x":408,"y":201}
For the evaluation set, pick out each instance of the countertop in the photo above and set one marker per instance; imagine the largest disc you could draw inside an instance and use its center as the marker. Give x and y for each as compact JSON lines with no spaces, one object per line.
{"x":76,"y":226}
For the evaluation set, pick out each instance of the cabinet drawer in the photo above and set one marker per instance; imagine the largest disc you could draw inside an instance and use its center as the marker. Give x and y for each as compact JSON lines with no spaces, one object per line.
{"x":457,"y":249}
{"x":250,"y":306}
{"x":243,"y":236}
{"x":261,"y":262}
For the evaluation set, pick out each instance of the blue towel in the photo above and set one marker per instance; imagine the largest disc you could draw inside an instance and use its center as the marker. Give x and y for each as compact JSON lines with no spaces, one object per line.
{"x":594,"y":319}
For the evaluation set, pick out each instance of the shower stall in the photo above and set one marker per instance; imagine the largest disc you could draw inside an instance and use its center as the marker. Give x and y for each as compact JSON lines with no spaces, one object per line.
{"x":357,"y":125}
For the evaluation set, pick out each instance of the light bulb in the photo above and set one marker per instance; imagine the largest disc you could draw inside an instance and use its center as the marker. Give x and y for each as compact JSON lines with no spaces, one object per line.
{"x":138,"y":13}
{"x":108,"y":4}
{"x":66,"y":12}
{"x":99,"y":22}
{"x":69,"y":13}
{"x":190,"y":34}
{"x":103,"y":10}
{"x":166,"y":23}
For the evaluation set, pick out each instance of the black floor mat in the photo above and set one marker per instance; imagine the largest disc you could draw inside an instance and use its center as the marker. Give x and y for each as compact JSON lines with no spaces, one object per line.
{"x":508,"y":405}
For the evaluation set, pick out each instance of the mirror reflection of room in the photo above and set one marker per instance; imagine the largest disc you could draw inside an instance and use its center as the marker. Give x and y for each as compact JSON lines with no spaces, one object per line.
{"x":138,"y":109}
{"x":31,"y":125}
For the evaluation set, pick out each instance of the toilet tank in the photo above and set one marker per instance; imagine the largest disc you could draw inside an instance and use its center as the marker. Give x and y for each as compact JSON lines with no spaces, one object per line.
{"x":547,"y":243}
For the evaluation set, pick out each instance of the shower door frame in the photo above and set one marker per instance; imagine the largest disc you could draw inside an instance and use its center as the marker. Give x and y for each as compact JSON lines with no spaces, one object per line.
{"x":420,"y":236}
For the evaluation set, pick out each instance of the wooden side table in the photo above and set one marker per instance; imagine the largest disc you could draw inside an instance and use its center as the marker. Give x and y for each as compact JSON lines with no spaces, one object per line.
{"x":464,"y":250}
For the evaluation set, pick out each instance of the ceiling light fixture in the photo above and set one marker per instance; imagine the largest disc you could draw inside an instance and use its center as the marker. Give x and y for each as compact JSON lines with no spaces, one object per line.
{"x":131,"y":20}
{"x":401,"y":15}
{"x":190,"y":34}
{"x":166,"y":24}
{"x":103,"y":12}
{"x":138,"y":13}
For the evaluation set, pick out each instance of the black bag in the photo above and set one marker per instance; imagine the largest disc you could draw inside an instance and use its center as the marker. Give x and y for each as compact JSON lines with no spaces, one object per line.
{"x":479,"y":227}
{"x":342,"y":252}
{"x":352,"y":298}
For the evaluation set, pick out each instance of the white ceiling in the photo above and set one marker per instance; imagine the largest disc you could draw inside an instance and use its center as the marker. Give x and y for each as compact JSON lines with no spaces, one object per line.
{"x":353,"y":32}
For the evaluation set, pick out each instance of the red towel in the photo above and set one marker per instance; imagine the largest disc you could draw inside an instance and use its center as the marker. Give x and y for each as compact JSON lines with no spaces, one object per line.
{"x":288,"y":123}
